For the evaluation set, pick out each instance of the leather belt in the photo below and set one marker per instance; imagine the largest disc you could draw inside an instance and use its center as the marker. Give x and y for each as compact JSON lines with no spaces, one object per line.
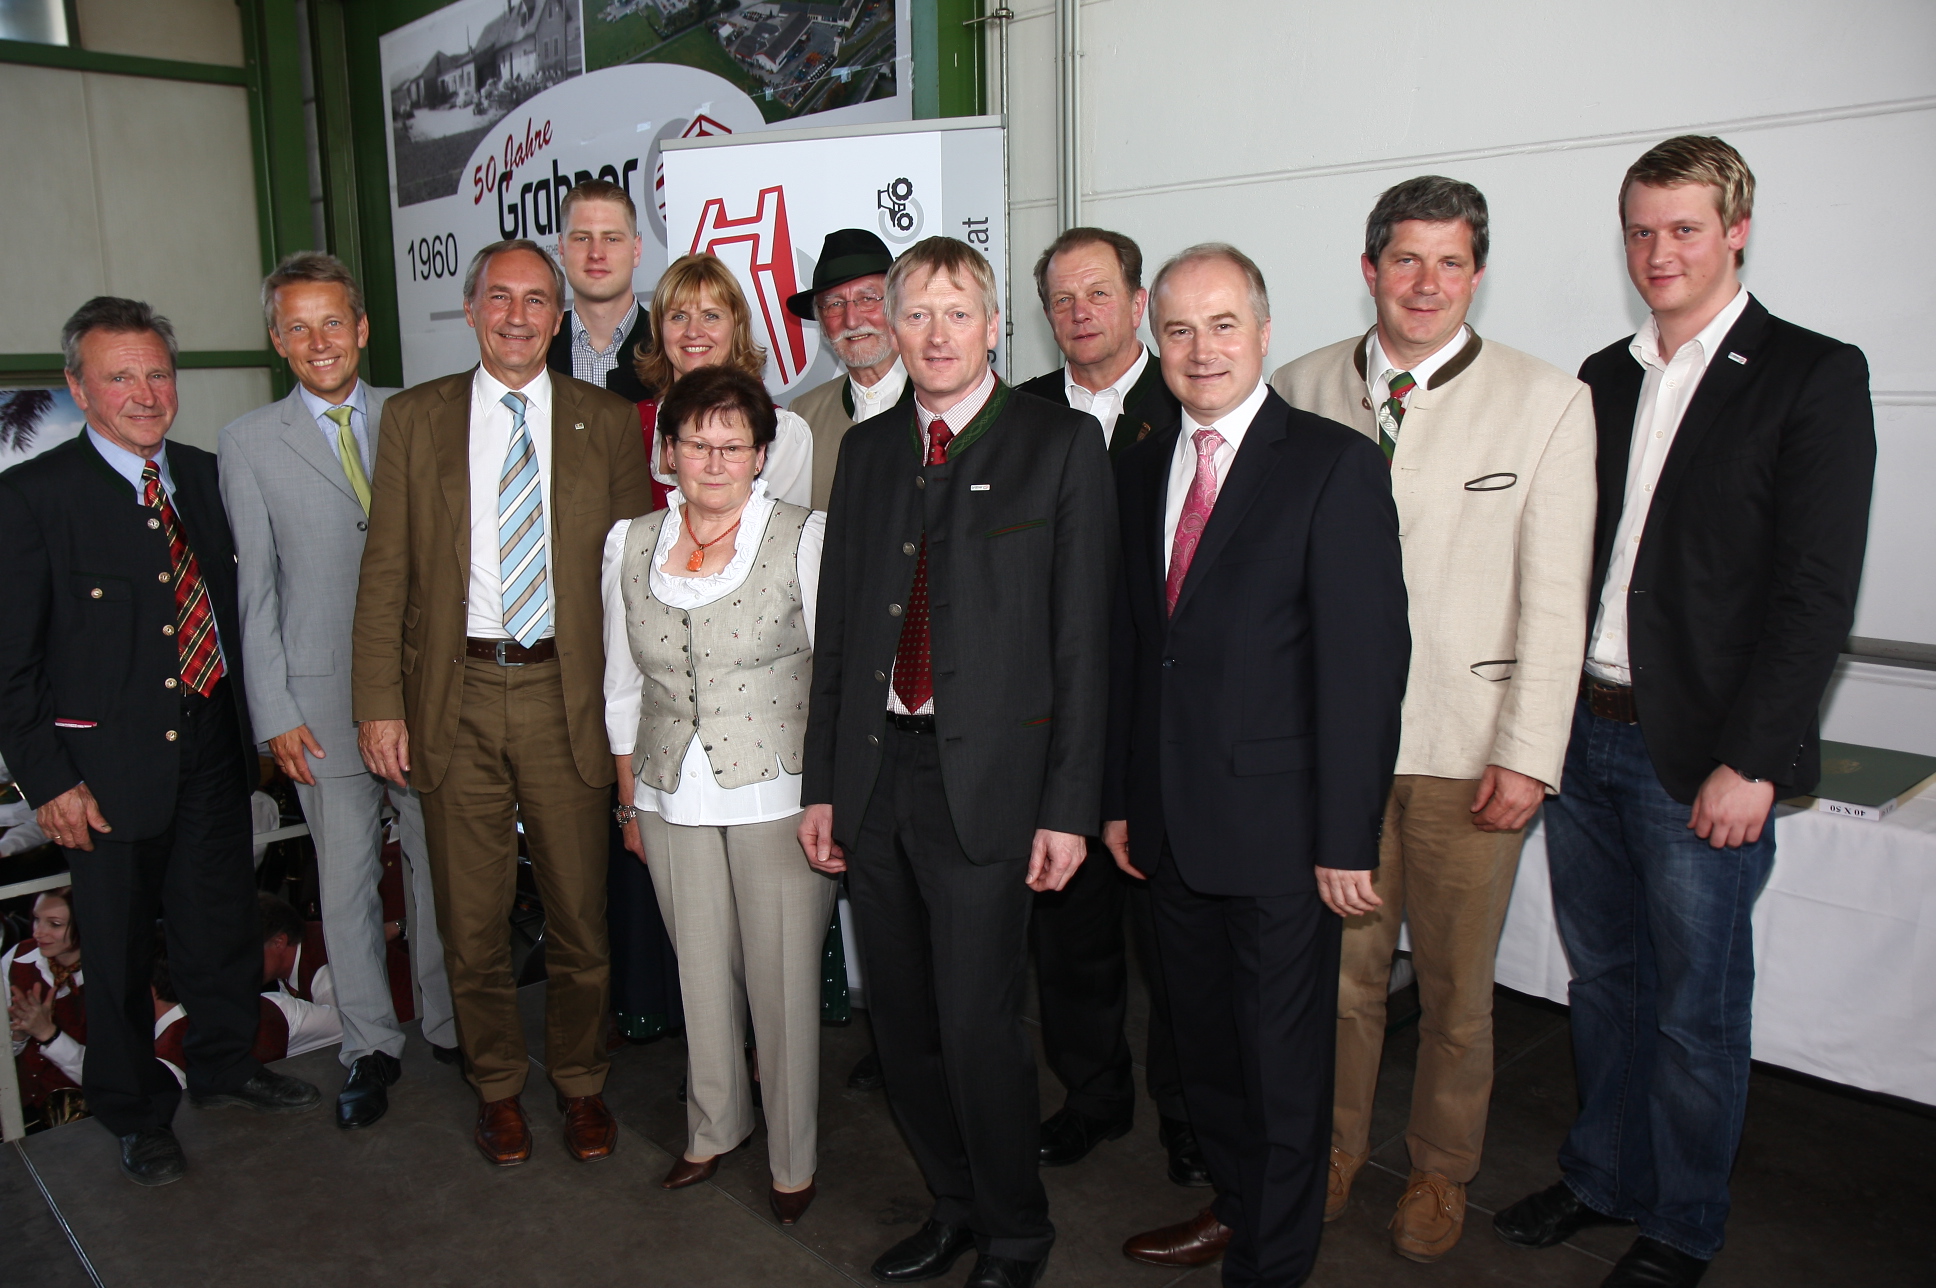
{"x":911,"y":724}
{"x":510,"y":652}
{"x":1609,"y":701}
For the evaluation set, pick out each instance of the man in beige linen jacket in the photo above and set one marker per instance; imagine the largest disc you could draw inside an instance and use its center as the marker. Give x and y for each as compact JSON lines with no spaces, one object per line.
{"x":1492,"y":455}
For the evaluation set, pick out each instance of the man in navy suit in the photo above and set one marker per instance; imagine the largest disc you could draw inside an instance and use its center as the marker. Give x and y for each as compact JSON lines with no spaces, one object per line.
{"x":121,"y":714}
{"x":1259,"y":657}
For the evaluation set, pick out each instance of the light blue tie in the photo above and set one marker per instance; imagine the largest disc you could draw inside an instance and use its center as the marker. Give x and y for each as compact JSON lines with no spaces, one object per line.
{"x":520,"y":534}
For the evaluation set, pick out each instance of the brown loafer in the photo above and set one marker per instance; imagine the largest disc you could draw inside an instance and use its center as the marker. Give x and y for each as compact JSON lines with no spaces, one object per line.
{"x":790,"y":1207}
{"x":1430,"y":1218}
{"x":1196,"y":1242}
{"x":1337,"y":1190}
{"x":590,"y":1129}
{"x":686,"y":1172}
{"x":503,"y":1133}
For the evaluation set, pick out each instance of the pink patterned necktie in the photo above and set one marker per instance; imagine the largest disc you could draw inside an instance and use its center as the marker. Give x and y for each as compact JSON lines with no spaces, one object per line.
{"x":1196,"y":513}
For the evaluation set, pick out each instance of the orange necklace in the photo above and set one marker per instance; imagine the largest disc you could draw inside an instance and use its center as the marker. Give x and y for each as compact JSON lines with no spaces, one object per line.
{"x":697,"y":560}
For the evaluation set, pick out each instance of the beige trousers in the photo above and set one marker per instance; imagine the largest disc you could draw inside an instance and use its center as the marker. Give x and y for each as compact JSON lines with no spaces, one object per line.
{"x":748,"y":919}
{"x":1451,"y":882}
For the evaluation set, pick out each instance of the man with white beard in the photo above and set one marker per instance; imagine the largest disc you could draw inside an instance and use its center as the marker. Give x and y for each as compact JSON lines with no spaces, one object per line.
{"x":849,"y":301}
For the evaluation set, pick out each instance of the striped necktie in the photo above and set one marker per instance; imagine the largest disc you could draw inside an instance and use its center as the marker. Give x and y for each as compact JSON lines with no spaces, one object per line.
{"x":913,"y":657}
{"x":1391,"y":412}
{"x":520,"y":535}
{"x":194,"y":628}
{"x":351,"y":455}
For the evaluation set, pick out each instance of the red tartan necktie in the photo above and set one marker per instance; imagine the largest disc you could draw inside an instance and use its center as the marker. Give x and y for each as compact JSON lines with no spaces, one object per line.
{"x":913,"y":671}
{"x":201,"y":658}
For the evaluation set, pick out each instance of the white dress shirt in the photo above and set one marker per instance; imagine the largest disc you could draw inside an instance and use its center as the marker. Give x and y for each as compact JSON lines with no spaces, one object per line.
{"x":359,"y":405}
{"x":788,"y":473}
{"x":1377,"y":364}
{"x":871,"y":400}
{"x":700,"y":801}
{"x":1665,"y":392}
{"x":490,"y":441}
{"x":1105,"y":404}
{"x":1183,"y":460}
{"x":956,"y":418}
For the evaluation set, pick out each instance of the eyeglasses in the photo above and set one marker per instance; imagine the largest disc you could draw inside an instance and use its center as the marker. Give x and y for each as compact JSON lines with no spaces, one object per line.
{"x":732,"y":453}
{"x":865,"y":300}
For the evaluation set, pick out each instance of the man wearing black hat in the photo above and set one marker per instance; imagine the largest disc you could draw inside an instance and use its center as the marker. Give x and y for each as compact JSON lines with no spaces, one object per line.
{"x":848,"y":300}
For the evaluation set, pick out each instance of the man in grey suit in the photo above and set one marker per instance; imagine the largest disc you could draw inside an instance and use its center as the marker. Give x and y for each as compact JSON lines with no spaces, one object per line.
{"x":295,"y":481}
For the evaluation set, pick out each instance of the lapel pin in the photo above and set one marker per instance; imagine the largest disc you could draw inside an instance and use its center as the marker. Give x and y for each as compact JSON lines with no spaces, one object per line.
{"x":578,"y":425}
{"x":1738,"y":358}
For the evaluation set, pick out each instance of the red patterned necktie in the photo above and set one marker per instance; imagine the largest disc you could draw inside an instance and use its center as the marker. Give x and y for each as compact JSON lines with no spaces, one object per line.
{"x":913,"y":668}
{"x":1196,"y":513}
{"x":201,"y":658}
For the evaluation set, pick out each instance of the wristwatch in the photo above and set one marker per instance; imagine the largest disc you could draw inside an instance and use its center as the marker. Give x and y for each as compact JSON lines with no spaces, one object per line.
{"x":625,"y":814}
{"x":1747,"y":778}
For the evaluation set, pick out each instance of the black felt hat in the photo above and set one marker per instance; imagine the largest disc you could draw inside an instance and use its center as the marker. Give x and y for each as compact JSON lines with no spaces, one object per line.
{"x":847,"y":253}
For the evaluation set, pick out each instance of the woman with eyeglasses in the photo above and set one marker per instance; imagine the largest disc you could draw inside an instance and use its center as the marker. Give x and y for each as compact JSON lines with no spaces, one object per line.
{"x":708,"y":661}
{"x":700,"y":319}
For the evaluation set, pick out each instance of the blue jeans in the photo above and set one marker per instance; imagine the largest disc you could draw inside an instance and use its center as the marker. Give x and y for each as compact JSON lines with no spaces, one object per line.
{"x":1655,"y":923}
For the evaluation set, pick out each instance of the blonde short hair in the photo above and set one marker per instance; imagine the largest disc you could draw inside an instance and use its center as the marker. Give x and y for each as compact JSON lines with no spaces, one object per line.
{"x":956,"y":259}
{"x":684,"y":280}
{"x":1702,"y":159}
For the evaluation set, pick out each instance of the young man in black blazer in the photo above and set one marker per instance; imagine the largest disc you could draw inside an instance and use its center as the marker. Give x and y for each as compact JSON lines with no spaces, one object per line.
{"x":1090,"y":281}
{"x":955,"y":740}
{"x":1737,"y":454}
{"x":599,"y":248}
{"x":1259,"y":654}
{"x":122,"y":717}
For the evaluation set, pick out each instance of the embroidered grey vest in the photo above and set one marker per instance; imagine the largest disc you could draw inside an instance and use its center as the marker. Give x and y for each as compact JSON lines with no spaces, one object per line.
{"x":736,"y":671}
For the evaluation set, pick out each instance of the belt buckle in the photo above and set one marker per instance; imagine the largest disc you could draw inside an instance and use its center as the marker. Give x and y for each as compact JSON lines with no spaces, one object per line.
{"x":501,"y":646}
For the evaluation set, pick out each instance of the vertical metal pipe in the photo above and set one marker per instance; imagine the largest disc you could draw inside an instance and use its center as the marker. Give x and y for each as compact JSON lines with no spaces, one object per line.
{"x":1068,"y":37}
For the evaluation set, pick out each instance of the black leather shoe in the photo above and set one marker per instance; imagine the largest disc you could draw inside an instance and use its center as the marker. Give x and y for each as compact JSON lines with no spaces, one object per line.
{"x":447,"y":1055}
{"x":1553,"y":1215}
{"x":1068,"y":1136}
{"x":1652,"y":1264}
{"x":928,"y":1253}
{"x":867,"y":1075}
{"x":1186,"y":1156}
{"x":1000,"y":1272}
{"x":363,"y":1099}
{"x":153,"y":1157}
{"x":267,"y":1092}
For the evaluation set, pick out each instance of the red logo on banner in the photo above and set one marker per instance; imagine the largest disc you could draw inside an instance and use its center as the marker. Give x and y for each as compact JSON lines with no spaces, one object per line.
{"x":699,"y":127}
{"x":768,"y":248}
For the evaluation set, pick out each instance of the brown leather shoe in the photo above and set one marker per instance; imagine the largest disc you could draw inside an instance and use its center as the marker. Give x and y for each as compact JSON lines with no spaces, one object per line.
{"x":1430,"y":1218}
{"x":503,"y":1133}
{"x":790,"y":1207}
{"x":686,"y":1172}
{"x":590,"y":1129}
{"x":1196,"y":1242}
{"x":1337,"y":1191}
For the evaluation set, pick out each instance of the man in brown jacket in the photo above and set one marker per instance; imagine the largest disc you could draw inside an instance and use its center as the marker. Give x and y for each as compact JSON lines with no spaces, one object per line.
{"x":479,"y":669}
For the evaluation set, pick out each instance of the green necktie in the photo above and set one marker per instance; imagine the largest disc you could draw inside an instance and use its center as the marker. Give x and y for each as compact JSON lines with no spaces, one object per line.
{"x":1391,"y":412}
{"x":351,"y":456}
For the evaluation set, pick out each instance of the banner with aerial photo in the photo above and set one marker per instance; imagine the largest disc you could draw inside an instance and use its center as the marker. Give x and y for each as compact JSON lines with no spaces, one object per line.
{"x":498,"y":107}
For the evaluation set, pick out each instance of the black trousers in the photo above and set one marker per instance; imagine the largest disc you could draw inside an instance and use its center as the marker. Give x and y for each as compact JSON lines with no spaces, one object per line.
{"x":198,"y":876}
{"x":1082,"y":970}
{"x":1256,"y":1038}
{"x":944,"y":943}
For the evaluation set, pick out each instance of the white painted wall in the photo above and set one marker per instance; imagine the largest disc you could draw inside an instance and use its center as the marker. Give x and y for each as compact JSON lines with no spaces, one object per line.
{"x":1275,"y":125}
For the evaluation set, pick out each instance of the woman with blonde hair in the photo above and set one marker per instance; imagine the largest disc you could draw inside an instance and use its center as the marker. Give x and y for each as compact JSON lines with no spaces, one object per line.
{"x":700,"y":319}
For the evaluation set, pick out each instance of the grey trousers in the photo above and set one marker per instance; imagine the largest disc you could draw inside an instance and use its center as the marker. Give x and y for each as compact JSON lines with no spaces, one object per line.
{"x":343,"y":822}
{"x":748,"y":919}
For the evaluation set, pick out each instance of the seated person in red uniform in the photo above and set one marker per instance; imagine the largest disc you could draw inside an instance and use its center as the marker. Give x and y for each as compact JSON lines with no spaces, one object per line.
{"x":298,"y":994}
{"x":45,"y":1011}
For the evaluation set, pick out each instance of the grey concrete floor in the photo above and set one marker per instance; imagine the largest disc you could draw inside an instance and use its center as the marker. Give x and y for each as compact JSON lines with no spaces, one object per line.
{"x":1830,"y":1189}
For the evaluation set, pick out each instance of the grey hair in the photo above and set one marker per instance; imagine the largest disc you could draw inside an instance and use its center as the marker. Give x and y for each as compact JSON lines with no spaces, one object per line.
{"x":1434,"y":199}
{"x":1253,"y":276}
{"x":113,"y":313}
{"x":483,"y":257}
{"x":309,"y":266}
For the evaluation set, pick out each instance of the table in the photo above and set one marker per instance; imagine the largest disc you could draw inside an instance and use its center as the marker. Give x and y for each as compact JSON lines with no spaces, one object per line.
{"x":1845,"y":947}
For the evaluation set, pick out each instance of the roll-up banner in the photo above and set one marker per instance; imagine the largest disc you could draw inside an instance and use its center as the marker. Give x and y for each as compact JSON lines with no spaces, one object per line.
{"x":497,"y":108}
{"x":764,"y":205}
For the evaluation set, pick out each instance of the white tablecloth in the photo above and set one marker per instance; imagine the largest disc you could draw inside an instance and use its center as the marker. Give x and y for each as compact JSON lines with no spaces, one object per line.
{"x":1845,"y":947}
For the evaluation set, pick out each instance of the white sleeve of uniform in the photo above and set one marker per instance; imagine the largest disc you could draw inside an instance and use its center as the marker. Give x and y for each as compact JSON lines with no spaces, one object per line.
{"x":789,"y":462}
{"x":812,"y":537}
{"x":624,"y":686}
{"x":65,"y":1054}
{"x":312,"y":1025}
